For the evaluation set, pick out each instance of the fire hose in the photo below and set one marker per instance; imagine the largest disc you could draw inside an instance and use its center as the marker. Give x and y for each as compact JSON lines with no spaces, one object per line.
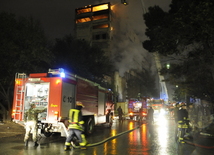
{"x":198,"y":145}
{"x":113,"y":137}
{"x":110,"y":138}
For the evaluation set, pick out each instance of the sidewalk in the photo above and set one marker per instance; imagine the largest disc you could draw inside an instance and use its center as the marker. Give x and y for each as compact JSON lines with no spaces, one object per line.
{"x":11,"y":129}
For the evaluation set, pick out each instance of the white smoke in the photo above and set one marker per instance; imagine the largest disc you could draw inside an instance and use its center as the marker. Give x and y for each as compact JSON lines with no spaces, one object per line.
{"x":127,"y":37}
{"x":129,"y":33}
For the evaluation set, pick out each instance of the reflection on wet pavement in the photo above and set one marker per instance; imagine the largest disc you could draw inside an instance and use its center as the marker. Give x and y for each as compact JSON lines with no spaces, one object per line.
{"x":142,"y":139}
{"x":155,"y":139}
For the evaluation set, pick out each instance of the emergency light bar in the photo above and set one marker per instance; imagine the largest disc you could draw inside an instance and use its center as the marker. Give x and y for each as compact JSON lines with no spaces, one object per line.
{"x":60,"y":72}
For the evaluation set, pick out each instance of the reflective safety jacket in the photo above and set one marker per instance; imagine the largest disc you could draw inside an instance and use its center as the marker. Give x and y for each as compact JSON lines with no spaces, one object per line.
{"x":75,"y":119}
{"x":183,"y":120}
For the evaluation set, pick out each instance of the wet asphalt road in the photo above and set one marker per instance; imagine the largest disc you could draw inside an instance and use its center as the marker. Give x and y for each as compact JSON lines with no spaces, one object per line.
{"x":123,"y":138}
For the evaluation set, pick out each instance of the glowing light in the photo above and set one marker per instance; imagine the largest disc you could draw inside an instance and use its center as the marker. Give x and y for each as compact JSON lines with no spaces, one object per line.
{"x":58,"y":81}
{"x":100,"y":17}
{"x":18,"y":82}
{"x":85,"y":10}
{"x":112,"y":7}
{"x":168,"y":66}
{"x":144,"y":139}
{"x":62,"y":74}
{"x":83,"y":20}
{"x":100,"y":26}
{"x":131,"y":125}
{"x":13,"y":113}
{"x":56,"y":113}
{"x":113,"y":132}
{"x":100,"y":7}
{"x":144,"y":113}
{"x":163,"y":133}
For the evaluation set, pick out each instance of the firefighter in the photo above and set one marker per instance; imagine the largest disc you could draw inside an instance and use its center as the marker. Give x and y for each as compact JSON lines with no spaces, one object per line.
{"x":31,"y":120}
{"x":183,"y":123}
{"x":120,"y":113}
{"x":150,"y":114}
{"x":176,"y":109}
{"x":192,"y":117}
{"x":75,"y":127}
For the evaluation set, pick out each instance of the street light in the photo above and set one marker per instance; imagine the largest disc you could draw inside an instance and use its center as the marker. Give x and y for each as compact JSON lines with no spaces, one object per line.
{"x":168,"y":66}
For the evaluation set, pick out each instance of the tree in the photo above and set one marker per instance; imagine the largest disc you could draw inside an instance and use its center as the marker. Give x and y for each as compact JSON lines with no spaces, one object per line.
{"x":186,"y":30}
{"x":82,"y":59}
{"x":23,"y":49}
{"x":143,"y":82}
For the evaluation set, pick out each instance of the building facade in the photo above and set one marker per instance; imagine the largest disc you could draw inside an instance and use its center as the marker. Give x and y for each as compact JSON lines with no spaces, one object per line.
{"x":93,"y":24}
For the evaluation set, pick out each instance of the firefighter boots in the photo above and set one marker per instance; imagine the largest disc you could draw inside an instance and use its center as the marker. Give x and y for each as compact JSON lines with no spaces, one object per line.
{"x":36,"y":144}
{"x":67,"y":148}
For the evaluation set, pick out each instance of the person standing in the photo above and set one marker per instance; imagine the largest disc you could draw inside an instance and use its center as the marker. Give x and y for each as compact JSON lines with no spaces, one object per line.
{"x":150,"y":114}
{"x":120,"y":113}
{"x":192,"y":117}
{"x":176,"y":109}
{"x":31,"y":120}
{"x":75,"y":127}
{"x":183,"y":123}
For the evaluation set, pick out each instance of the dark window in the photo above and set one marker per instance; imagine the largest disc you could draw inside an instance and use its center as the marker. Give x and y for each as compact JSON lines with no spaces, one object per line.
{"x":104,"y":36}
{"x":97,"y":37}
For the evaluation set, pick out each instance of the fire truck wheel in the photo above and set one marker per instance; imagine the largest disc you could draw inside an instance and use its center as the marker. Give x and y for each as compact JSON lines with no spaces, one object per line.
{"x":89,"y":126}
{"x":45,"y":130}
{"x":47,"y":134}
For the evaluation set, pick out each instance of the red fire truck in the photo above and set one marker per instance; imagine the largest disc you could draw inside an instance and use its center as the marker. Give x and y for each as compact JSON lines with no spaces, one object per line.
{"x":58,"y":90}
{"x":137,"y":108}
{"x":156,"y":104}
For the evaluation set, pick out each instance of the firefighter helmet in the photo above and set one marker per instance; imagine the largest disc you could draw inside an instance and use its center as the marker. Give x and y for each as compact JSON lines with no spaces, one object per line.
{"x":182,"y":104}
{"x":78,"y":103}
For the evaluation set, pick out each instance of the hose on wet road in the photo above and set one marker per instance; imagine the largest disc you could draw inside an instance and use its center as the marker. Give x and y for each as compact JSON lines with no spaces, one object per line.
{"x":198,"y":145}
{"x":110,"y":138}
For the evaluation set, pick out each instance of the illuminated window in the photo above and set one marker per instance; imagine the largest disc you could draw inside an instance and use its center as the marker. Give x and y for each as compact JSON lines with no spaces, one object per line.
{"x":100,"y":7}
{"x":83,"y":10}
{"x":100,"y":26}
{"x":100,"y":17}
{"x":83,"y":20}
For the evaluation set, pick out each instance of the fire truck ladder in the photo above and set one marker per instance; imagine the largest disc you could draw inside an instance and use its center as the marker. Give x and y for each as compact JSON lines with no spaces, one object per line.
{"x":20,"y":78}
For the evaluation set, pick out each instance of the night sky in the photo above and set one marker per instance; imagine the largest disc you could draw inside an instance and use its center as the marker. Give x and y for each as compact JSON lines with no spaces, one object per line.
{"x":57,"y":20}
{"x":57,"y":16}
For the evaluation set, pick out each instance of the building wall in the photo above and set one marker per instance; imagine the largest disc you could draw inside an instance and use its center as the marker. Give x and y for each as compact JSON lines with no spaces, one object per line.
{"x":93,"y":24}
{"x":109,"y":27}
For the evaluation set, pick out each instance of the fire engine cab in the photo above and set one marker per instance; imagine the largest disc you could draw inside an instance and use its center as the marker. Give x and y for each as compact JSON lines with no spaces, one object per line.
{"x":58,"y":91}
{"x":137,"y":108}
